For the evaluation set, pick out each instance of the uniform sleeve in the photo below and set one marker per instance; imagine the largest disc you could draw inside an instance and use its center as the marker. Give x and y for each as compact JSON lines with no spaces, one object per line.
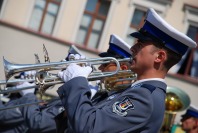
{"x":128,"y":112}
{"x":10,"y":117}
{"x":38,"y":120}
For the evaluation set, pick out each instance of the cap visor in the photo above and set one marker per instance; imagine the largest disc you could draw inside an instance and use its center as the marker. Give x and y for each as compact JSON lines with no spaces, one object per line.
{"x":106,"y":54}
{"x":185,"y":117}
{"x":140,"y":36}
{"x":17,"y":77}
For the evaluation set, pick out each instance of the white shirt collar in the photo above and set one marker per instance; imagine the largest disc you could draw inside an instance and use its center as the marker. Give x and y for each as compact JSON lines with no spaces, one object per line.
{"x":150,"y":79}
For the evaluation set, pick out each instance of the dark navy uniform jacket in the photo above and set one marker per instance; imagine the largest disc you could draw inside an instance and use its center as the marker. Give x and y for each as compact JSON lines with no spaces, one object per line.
{"x":11,"y":120}
{"x":136,"y":110}
{"x":41,"y":119}
{"x":30,"y":119}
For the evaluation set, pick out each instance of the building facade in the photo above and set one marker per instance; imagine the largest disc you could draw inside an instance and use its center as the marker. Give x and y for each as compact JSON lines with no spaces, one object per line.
{"x":25,"y":25}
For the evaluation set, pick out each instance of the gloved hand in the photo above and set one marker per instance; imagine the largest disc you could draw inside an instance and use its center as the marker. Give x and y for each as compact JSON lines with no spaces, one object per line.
{"x":74,"y":70}
{"x":76,"y":57}
{"x":26,"y":91}
{"x":28,"y":75}
{"x":94,"y":88}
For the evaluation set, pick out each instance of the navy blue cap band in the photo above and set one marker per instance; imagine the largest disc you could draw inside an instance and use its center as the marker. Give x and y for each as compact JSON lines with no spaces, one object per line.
{"x":170,"y":42}
{"x":119,"y":51}
{"x":192,"y":113}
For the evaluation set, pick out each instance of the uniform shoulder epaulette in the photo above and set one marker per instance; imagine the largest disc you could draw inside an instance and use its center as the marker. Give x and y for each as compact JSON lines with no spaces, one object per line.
{"x":151,"y":88}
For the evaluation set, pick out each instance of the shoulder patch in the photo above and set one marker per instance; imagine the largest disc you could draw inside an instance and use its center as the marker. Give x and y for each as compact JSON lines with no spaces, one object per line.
{"x":121,"y":107}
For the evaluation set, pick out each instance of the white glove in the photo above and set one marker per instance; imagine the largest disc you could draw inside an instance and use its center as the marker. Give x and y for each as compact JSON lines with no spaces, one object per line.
{"x":28,"y":75}
{"x":74,"y":70}
{"x":76,"y":57}
{"x":26,"y":91}
{"x":93,"y":88}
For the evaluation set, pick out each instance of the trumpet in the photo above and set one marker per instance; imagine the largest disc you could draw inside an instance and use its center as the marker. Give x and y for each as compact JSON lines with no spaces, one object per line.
{"x":131,"y":76}
{"x":10,"y":69}
{"x":51,"y":80}
{"x":54,"y":81}
{"x":43,"y":78}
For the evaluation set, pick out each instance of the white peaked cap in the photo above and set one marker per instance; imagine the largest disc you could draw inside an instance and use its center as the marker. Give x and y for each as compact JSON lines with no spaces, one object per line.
{"x":157,"y":29}
{"x":117,"y":48}
{"x":73,"y":50}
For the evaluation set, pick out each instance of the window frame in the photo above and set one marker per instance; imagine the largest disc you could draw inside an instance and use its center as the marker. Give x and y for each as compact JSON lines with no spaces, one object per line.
{"x":159,"y":6}
{"x":44,"y":13}
{"x":94,"y":16}
{"x":191,"y":19}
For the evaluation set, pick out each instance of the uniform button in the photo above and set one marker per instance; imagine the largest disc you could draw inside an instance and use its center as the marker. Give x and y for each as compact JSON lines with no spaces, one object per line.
{"x":63,"y":94}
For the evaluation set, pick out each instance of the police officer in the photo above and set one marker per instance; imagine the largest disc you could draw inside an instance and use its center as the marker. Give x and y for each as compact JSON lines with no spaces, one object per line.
{"x":30,"y":119}
{"x":139,"y":108}
{"x":190,"y":120}
{"x":43,"y":117}
{"x":11,"y":120}
{"x":40,"y":117}
{"x":118,"y":49}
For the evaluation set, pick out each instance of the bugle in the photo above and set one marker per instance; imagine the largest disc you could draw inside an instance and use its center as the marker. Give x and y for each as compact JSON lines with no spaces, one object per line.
{"x":15,"y":81}
{"x":10,"y":69}
{"x":51,"y":83}
{"x":44,"y":79}
{"x":42,"y":86}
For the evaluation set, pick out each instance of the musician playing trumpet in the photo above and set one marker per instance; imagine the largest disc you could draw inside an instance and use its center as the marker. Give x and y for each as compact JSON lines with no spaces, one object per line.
{"x":11,"y":120}
{"x":138,"y":108}
{"x":48,"y":117}
{"x":190,"y":120}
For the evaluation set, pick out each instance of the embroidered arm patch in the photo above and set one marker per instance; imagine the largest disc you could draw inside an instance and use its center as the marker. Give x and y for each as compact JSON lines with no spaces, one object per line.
{"x":121,"y":107}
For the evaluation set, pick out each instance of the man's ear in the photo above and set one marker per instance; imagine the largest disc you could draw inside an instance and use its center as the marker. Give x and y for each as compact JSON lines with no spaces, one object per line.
{"x":196,"y":119}
{"x":124,"y":67}
{"x":160,"y":56}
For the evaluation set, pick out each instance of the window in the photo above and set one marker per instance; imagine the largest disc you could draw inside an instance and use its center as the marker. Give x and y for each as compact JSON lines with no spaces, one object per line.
{"x":1,"y":3}
{"x":190,"y":63}
{"x":188,"y":66}
{"x":44,"y":15}
{"x":92,"y":23}
{"x":136,"y":22}
{"x":139,"y":8}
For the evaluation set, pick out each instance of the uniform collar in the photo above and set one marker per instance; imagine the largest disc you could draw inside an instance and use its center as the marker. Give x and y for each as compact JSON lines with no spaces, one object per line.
{"x":150,"y":79}
{"x":157,"y":82}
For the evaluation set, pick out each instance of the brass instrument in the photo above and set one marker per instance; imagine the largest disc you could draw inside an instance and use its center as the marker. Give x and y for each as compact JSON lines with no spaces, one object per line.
{"x":47,"y":80}
{"x":44,"y":79}
{"x":11,"y":69}
{"x":15,"y":81}
{"x":176,"y":101}
{"x":119,"y":81}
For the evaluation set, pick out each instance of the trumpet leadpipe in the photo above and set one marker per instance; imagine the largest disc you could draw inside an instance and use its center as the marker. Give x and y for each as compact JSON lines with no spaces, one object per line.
{"x":15,"y":81}
{"x":26,"y":104}
{"x":16,"y":89}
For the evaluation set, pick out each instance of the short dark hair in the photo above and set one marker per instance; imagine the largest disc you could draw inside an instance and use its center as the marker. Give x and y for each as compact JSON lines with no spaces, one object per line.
{"x":172,"y":57}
